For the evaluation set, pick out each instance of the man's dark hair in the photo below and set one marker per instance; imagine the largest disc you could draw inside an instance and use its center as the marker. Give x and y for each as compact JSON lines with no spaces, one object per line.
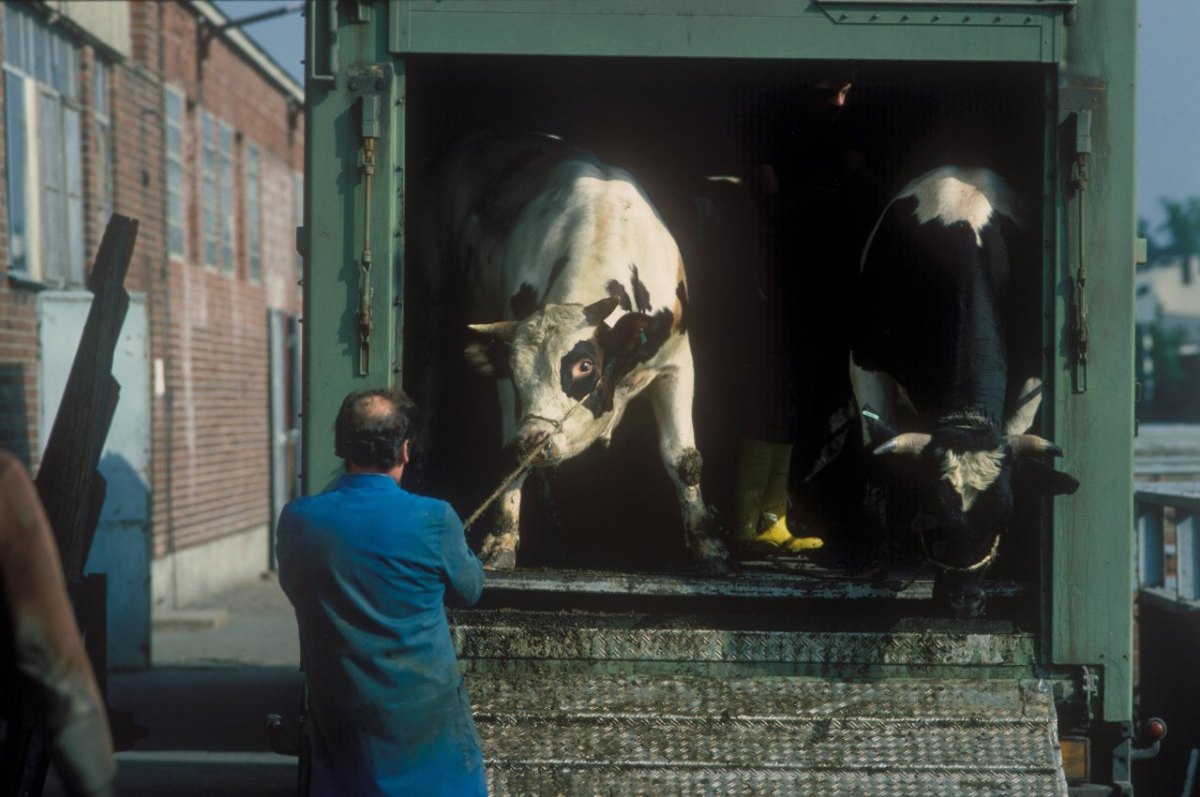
{"x":371,"y":427}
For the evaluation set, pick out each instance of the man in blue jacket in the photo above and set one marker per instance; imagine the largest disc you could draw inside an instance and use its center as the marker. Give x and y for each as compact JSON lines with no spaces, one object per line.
{"x":369,"y":567}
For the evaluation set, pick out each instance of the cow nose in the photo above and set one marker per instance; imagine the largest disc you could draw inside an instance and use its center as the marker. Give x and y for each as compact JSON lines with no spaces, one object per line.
{"x":532,"y":442}
{"x":968,"y":605}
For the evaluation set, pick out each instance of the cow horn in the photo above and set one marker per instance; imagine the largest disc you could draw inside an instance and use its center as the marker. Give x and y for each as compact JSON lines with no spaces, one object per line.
{"x":911,"y":443}
{"x":502,"y":330}
{"x":598,"y":311}
{"x":1024,"y":445}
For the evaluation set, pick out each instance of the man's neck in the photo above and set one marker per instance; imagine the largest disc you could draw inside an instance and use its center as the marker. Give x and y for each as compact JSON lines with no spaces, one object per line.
{"x":395,"y":472}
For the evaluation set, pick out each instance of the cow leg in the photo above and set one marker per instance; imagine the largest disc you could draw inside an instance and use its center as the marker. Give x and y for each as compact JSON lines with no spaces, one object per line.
{"x":671,"y":395}
{"x":499,"y":550}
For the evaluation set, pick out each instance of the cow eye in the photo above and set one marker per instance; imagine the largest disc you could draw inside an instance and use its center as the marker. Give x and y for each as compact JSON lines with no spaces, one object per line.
{"x":582,"y":368}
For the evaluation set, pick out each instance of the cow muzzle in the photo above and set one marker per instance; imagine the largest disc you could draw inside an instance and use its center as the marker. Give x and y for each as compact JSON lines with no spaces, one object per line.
{"x":536,"y":444}
{"x":963,"y":594}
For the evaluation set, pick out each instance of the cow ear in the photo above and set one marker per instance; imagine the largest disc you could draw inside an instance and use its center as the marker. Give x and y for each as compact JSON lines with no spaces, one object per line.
{"x":1041,"y":478}
{"x":1020,"y":418}
{"x":598,"y":311}
{"x":487,"y":347}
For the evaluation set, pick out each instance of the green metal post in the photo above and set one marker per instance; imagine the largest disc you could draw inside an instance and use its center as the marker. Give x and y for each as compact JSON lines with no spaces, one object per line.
{"x":354,"y":124}
{"x":1091,"y":617}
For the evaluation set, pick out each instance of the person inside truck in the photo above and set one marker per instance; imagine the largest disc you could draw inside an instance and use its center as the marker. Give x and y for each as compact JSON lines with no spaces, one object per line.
{"x":42,"y":644}
{"x":809,"y":178}
{"x":369,"y":568}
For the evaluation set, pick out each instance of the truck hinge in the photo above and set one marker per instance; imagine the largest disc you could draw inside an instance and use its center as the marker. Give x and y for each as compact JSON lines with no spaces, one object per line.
{"x":1079,"y":336}
{"x":1089,"y":685}
{"x":369,"y":87}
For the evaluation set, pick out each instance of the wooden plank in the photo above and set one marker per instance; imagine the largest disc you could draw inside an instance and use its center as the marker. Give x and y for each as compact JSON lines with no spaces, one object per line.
{"x":69,"y":482}
{"x":76,"y":440}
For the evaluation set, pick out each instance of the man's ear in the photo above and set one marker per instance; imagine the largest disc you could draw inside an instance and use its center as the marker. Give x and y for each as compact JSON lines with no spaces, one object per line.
{"x":487,"y":348}
{"x":406,"y":451}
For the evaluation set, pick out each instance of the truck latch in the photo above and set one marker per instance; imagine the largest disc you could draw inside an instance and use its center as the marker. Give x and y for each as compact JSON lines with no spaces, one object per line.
{"x":370,"y":84}
{"x":1079,"y":337}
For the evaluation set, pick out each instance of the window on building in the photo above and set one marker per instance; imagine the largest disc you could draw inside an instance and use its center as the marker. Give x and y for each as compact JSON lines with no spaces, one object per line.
{"x":176,"y":240}
{"x":227,"y":210}
{"x":102,"y":125}
{"x":43,"y":151}
{"x":217,"y":206}
{"x":208,"y":200}
{"x":253,"y":215}
{"x":298,"y":193}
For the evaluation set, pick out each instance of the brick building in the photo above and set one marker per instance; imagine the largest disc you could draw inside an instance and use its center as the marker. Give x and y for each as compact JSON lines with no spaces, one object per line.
{"x":148,"y":110}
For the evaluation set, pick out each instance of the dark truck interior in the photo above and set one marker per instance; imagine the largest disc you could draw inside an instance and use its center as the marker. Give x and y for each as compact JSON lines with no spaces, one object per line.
{"x":675,"y":124}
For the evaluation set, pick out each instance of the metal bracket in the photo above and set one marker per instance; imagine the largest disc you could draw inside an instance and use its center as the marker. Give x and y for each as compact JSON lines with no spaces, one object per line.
{"x":360,"y":10}
{"x":316,"y":10}
{"x":951,"y":13}
{"x":1090,"y":686}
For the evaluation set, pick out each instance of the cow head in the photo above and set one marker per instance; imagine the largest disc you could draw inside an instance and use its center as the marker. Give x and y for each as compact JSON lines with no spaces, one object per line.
{"x":965,"y":479}
{"x":572,"y":372}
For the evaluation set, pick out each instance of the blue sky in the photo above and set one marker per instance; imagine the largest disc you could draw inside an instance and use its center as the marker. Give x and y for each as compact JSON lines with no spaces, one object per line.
{"x":1168,"y":117}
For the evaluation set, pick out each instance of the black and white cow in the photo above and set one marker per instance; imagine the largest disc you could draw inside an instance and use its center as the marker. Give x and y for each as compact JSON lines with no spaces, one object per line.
{"x":585,"y":298}
{"x":931,"y":371}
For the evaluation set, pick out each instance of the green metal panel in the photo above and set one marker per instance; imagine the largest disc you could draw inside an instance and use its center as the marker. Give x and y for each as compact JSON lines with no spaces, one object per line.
{"x":1091,"y":618}
{"x":1090,"y":605}
{"x":347,"y":64}
{"x":833,"y":29}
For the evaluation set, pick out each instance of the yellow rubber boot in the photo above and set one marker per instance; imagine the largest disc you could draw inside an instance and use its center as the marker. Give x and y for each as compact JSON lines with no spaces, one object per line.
{"x":753,"y":469}
{"x":774,"y":514}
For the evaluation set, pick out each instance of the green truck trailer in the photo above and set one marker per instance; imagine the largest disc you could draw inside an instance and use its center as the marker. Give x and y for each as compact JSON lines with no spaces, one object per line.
{"x":642,"y":680}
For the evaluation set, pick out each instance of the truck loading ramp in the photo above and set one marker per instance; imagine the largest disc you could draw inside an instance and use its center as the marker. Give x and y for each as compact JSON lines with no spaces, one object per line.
{"x":579,"y":702}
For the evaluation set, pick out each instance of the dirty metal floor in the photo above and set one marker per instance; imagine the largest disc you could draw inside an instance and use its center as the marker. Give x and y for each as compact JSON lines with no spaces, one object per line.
{"x":796,"y":578}
{"x":577,"y":734}
{"x":660,"y":685}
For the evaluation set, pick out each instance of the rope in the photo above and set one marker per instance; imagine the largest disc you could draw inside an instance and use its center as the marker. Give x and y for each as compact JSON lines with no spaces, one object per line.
{"x":982,"y":563}
{"x":525,"y":461}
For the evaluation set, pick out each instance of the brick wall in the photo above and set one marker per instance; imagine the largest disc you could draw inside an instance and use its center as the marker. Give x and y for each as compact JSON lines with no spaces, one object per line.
{"x":210,"y":454}
{"x":214,"y":438}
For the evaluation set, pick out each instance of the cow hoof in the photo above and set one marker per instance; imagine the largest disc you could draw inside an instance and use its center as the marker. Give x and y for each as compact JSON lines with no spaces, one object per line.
{"x":500,"y":560}
{"x":715,"y":567}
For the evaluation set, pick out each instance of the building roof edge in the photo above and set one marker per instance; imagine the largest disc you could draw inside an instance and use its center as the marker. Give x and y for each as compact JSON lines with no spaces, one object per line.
{"x":253,"y":53}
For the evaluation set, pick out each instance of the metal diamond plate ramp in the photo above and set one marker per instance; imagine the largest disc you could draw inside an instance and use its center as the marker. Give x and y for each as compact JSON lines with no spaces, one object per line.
{"x":599,"y":735}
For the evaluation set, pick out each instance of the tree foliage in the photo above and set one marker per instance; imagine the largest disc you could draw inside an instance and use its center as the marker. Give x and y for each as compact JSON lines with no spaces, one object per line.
{"x":1182,"y":226}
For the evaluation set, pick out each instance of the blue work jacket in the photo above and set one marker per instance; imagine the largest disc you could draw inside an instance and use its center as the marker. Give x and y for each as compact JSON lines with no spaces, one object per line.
{"x":369,"y":568}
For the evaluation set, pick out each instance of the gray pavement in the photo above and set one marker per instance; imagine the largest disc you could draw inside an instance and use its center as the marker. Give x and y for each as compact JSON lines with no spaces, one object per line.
{"x":261,"y":631}
{"x":204,"y":702}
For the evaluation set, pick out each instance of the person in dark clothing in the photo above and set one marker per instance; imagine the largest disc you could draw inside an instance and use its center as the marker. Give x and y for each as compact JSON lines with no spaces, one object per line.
{"x":812,"y":189}
{"x":369,"y":567}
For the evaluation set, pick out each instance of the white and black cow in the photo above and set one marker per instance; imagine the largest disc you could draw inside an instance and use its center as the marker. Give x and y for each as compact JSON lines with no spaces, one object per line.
{"x":931,"y":359}
{"x":585,"y":298}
